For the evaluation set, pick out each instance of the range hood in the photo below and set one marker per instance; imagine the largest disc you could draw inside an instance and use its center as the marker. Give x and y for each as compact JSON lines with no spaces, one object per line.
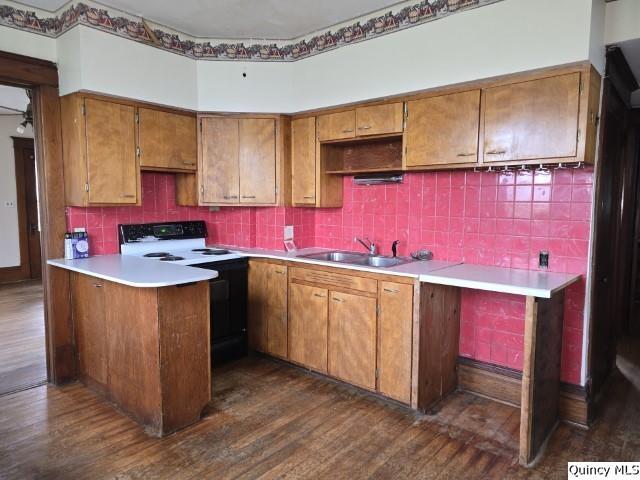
{"x":378,"y":179}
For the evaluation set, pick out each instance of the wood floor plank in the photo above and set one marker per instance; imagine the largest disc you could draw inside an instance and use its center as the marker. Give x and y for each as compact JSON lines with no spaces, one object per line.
{"x":270,"y":420}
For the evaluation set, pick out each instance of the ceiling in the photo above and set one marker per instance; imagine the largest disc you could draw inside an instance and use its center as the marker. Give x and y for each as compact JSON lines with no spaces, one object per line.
{"x":12,"y":99}
{"x":240,"y":19}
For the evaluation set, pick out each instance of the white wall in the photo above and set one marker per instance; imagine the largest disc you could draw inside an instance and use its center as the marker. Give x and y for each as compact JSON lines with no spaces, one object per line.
{"x":622,"y":21}
{"x":29,"y":44}
{"x":9,"y":239}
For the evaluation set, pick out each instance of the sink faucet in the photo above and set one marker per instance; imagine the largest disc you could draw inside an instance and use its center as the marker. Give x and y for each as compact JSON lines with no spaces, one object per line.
{"x":372,"y":247}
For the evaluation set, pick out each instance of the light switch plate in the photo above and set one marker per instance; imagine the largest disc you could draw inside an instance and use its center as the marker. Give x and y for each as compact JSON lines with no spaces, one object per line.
{"x":10,"y":204}
{"x":288,"y":232}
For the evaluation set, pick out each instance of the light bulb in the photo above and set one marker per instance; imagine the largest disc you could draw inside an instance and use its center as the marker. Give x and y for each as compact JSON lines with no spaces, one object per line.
{"x":20,"y":129}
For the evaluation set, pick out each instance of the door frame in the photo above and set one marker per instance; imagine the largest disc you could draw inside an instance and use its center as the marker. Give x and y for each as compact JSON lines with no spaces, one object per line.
{"x":22,"y":271}
{"x":41,"y":76}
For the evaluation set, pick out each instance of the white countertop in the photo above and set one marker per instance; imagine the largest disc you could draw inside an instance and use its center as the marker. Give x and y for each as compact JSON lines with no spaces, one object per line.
{"x":532,"y":283}
{"x":134,"y":271}
{"x":499,"y":279}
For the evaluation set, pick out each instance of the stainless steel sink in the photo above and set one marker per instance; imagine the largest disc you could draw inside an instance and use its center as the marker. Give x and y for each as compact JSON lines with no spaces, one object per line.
{"x":357,"y":258}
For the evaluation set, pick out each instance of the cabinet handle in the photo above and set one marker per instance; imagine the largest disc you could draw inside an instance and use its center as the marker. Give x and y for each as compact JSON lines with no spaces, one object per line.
{"x":128,"y":195}
{"x":348,"y":131}
{"x":309,"y":197}
{"x":280,"y":272}
{"x":466,"y":154}
{"x":97,"y":285}
{"x":319,"y":296}
{"x":496,"y":152}
{"x":249,"y":196}
{"x":390,"y":290}
{"x":230,"y":197}
{"x":336,"y":299}
{"x":189,"y":163}
{"x":364,"y":127}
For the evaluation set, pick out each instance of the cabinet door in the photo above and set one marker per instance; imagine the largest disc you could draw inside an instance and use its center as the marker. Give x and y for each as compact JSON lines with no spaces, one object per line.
{"x":308,"y":326}
{"x":352,"y":339}
{"x":396,"y":327}
{"x":219,"y":174}
{"x":303,"y":161}
{"x":276,"y":314}
{"x":112,"y":164}
{"x":379,"y":119}
{"x":337,"y":126}
{"x":532,"y":120}
{"x":88,"y":307}
{"x":257,"y":161}
{"x":257,"y":305}
{"x":443,"y":130}
{"x":167,"y":140}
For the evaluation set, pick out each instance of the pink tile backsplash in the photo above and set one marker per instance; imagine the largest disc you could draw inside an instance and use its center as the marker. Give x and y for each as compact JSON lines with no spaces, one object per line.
{"x":501,"y":219}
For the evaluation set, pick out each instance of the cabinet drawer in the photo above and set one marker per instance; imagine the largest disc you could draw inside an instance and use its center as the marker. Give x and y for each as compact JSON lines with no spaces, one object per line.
{"x":334,"y":279}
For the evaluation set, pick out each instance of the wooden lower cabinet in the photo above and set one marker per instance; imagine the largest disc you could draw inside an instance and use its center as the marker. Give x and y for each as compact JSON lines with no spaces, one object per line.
{"x":145,"y":349}
{"x":395,"y":340}
{"x":308,"y":324}
{"x":352,"y":339}
{"x":267,"y":321}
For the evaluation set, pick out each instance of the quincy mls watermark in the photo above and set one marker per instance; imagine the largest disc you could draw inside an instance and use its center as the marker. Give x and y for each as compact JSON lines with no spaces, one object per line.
{"x":601,"y":470}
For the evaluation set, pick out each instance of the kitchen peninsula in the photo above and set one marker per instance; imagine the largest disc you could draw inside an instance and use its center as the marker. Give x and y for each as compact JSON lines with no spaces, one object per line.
{"x":142,"y":336}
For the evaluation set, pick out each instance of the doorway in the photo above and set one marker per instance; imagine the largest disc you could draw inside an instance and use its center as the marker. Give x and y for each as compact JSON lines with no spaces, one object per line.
{"x":22,"y":324}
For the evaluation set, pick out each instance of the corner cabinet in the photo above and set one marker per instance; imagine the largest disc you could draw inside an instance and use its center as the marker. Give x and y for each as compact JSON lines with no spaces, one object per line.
{"x":100,"y":153}
{"x":242,"y":160}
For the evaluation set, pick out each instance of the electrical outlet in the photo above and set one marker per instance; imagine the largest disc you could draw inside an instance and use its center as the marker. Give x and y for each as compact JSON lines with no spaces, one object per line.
{"x":10,"y":204}
{"x":288,"y":232}
{"x":543,"y":260}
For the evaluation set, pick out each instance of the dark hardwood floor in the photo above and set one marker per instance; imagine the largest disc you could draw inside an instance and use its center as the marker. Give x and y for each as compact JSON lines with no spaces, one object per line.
{"x":22,"y":342}
{"x":271,"y":420}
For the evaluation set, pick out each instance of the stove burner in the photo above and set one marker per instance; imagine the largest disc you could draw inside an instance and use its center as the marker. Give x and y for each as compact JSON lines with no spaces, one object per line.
{"x":171,"y":258}
{"x":156,"y":254}
{"x":201,"y":250}
{"x":216,"y":252}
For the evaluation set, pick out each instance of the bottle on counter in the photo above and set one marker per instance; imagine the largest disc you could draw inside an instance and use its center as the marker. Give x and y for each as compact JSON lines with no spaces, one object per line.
{"x":68,"y":246}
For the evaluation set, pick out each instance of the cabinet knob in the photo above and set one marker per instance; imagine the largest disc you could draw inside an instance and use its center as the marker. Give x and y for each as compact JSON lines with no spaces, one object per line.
{"x":364,"y":127}
{"x":97,"y":285}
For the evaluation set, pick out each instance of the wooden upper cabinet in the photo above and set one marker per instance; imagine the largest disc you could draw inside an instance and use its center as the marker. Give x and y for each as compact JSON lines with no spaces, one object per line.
{"x":337,"y":126}
{"x":352,"y":339}
{"x":303,"y":161}
{"x":532,"y":120}
{"x":112,"y":164}
{"x":379,"y":119}
{"x":257,"y":170}
{"x":308,"y":323}
{"x":443,"y":130}
{"x":395,"y":346}
{"x":167,"y":140}
{"x":219,"y":169}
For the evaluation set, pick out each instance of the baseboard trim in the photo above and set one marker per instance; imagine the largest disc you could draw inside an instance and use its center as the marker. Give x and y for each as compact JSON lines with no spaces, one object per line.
{"x":504,"y":385}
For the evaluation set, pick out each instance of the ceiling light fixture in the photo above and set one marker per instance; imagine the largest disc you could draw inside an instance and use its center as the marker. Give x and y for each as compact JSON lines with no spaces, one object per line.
{"x":27,"y":116}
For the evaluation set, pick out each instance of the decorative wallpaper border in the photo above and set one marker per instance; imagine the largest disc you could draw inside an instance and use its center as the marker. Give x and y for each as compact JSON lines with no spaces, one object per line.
{"x":406,"y":15}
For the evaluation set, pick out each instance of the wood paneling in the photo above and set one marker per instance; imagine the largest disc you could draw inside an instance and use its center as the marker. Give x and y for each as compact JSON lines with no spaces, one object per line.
{"x":328,"y":278}
{"x":219,"y":173}
{"x":268,"y":308}
{"x":537,"y":119}
{"x":308,"y":324}
{"x":541,"y":374}
{"x":505,"y":385}
{"x":89,"y":320}
{"x":184,"y":347}
{"x":375,"y":155}
{"x":443,"y":130}
{"x":379,"y":119}
{"x":112,"y":165}
{"x":395,"y":340}
{"x":336,"y":126}
{"x":257,"y":160}
{"x":303,"y":161}
{"x":167,"y":141}
{"x":352,"y":339}
{"x":439,"y":337}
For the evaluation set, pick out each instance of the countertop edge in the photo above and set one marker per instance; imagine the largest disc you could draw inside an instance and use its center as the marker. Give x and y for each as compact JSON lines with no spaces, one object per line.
{"x":211,"y":274}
